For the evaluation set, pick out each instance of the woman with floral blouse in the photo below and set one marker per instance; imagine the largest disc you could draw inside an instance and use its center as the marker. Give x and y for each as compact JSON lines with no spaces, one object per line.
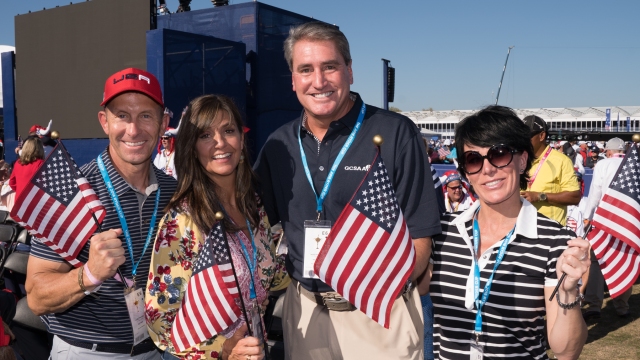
{"x":214,"y":175}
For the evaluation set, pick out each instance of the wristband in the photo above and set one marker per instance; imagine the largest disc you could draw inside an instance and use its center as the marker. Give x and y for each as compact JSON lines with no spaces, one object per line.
{"x":93,"y":280}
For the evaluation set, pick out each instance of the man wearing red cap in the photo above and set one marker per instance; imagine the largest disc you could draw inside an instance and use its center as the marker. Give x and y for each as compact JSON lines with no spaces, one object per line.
{"x":85,"y":307}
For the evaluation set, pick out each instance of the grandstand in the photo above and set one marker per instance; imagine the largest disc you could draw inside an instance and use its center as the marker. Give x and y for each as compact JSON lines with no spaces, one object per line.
{"x":572,"y":119}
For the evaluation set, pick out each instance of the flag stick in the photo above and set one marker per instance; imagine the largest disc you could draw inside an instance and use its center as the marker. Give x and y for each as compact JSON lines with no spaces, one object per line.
{"x":66,"y":154}
{"x":220,"y":217}
{"x":564,"y":274}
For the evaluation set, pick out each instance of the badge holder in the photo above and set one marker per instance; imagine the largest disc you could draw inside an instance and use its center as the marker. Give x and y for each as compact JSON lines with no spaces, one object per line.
{"x":135,"y":305}
{"x":476,"y":350}
{"x":315,"y":234}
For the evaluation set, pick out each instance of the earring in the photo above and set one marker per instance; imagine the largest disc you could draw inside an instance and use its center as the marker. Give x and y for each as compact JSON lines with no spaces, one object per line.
{"x":521,"y":171}
{"x":241,"y":159}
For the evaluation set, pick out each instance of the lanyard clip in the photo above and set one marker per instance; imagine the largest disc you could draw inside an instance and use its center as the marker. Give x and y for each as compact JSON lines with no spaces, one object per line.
{"x":477,"y":336}
{"x":318,"y":219}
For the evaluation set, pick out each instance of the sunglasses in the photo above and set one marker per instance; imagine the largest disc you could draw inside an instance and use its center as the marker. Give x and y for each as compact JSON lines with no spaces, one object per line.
{"x":498,"y":156}
{"x":459,"y":187}
{"x":165,"y":137}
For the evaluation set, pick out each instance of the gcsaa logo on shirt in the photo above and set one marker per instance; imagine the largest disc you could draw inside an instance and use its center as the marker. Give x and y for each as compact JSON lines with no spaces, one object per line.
{"x":358,"y":168}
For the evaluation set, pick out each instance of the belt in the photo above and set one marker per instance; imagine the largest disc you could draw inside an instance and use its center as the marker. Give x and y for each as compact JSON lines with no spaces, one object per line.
{"x":334,"y":301}
{"x":116,"y":348}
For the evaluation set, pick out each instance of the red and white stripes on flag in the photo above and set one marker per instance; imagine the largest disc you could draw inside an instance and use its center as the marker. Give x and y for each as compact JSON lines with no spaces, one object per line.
{"x":369,"y":254}
{"x":615,"y":237}
{"x":56,"y":206}
{"x":443,"y":152}
{"x":208,"y":306}
{"x":619,"y":262}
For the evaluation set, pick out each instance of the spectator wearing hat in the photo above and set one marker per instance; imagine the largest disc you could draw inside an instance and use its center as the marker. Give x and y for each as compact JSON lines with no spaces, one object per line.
{"x":603,"y":173}
{"x":45,"y":136}
{"x":592,"y":159}
{"x":84,"y":308}
{"x":581,"y":153}
{"x":568,"y":149}
{"x":553,"y":185}
{"x":457,"y":196}
{"x":166,"y":151}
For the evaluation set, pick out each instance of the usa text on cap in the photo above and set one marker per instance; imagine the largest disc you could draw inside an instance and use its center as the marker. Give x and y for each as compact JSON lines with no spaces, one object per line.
{"x":132,"y":80}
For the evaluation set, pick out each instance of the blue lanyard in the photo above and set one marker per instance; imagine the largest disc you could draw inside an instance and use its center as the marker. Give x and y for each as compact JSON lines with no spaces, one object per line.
{"x":334,"y":167}
{"x":476,"y":271}
{"x":123,"y":222}
{"x":252,"y":265}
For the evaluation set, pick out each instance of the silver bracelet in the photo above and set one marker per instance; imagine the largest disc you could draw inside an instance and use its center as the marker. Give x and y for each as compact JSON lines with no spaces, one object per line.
{"x":570,"y":305}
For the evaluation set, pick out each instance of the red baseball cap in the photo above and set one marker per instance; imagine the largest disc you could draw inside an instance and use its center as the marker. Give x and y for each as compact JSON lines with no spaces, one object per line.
{"x":132,"y":80}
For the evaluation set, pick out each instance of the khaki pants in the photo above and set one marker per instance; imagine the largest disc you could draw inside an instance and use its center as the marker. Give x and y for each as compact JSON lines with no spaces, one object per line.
{"x":594,"y":296}
{"x":311,"y":331}
{"x":63,"y":351}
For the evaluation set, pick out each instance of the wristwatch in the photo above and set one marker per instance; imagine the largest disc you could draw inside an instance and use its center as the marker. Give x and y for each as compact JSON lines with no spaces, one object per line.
{"x":543,"y":196}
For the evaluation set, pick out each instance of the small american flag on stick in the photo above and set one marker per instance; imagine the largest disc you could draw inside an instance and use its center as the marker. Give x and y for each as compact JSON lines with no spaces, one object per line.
{"x":443,"y":152}
{"x":369,"y":255}
{"x":208,"y":306}
{"x":615,"y":237}
{"x":57,"y":205}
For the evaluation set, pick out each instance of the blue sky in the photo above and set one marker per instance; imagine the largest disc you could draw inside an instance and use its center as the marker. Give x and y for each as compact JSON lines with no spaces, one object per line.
{"x":449,"y":54}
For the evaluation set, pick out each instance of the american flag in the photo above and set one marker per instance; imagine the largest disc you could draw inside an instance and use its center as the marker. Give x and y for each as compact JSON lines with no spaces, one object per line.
{"x":56,"y":206}
{"x":208,"y":306}
{"x":615,"y":237}
{"x":369,"y":255}
{"x":443,"y":152}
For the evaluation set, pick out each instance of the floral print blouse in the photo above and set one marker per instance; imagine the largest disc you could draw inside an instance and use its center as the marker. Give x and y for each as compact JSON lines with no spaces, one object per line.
{"x":176,"y":250}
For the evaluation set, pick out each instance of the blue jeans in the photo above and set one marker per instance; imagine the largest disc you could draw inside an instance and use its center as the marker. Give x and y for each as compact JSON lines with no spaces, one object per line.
{"x":168,"y":356}
{"x":427,"y":312}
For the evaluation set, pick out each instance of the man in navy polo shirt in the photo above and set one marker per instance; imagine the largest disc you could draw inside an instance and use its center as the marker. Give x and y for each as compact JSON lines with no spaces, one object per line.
{"x":85,"y":307}
{"x":319,"y":58}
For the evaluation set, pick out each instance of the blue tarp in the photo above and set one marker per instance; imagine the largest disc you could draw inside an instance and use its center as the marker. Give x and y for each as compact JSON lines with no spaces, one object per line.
{"x":270,"y":100}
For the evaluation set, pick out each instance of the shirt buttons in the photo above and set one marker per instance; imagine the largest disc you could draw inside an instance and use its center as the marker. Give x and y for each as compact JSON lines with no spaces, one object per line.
{"x":321,"y":168}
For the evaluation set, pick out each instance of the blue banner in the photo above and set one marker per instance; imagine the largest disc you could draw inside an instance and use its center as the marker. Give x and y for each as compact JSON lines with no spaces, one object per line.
{"x":628,"y":124}
{"x":607,"y":123}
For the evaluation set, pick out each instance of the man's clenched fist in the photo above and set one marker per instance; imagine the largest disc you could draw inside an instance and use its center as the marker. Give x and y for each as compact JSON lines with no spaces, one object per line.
{"x":105,"y":254}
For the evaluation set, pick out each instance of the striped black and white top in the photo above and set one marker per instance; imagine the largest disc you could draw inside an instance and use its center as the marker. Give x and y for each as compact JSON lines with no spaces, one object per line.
{"x":513,"y":317}
{"x":106,"y":320}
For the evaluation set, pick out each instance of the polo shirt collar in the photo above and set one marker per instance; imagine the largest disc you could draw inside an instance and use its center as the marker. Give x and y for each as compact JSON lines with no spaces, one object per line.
{"x":526,"y":223}
{"x":537,"y":159}
{"x":120,"y":185}
{"x":349,"y":120}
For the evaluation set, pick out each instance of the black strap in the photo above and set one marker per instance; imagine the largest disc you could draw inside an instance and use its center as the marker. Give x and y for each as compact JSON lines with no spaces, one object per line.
{"x":117,"y":348}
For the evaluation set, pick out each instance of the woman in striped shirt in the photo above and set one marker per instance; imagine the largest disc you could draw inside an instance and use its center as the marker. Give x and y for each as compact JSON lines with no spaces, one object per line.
{"x":495,"y":265}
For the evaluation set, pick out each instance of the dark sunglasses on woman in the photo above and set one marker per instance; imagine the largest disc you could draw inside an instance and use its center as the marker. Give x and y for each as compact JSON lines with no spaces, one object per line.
{"x":165,"y":137}
{"x":498,"y":155}
{"x":459,"y":187}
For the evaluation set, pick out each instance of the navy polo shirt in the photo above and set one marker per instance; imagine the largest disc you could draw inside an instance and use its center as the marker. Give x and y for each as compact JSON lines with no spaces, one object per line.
{"x":106,"y":320}
{"x":289,"y":198}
